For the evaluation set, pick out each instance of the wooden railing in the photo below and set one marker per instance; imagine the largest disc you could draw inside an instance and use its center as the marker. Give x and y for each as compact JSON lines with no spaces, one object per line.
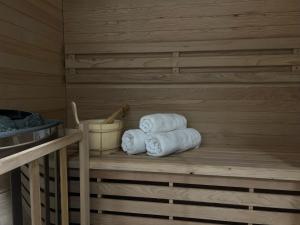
{"x":31,"y":156}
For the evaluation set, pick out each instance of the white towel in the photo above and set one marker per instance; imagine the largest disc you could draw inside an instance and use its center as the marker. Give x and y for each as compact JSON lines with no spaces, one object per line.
{"x":162,"y":122}
{"x":161,"y":144}
{"x":133,"y":141}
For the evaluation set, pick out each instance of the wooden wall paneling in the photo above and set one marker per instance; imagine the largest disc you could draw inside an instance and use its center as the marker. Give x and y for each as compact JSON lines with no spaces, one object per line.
{"x":231,"y":68}
{"x":145,"y":10}
{"x":185,"y":46}
{"x":31,"y":48}
{"x":32,"y":64}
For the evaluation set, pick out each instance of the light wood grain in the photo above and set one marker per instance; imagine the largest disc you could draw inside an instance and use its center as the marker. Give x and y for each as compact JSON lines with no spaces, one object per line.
{"x":190,"y":211}
{"x":31,"y":42}
{"x":209,"y":45}
{"x":194,"y":194}
{"x":127,"y":220}
{"x":84,"y":175}
{"x":16,"y":160}
{"x":63,"y":166}
{"x":35,"y":198}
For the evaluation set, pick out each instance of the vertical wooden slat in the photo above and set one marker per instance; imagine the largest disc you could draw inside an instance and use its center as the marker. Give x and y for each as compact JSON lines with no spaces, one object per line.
{"x":64,"y":186}
{"x":57,"y":188}
{"x":251,"y":190}
{"x":47,"y":190}
{"x":35,"y":197}
{"x":175,"y":68}
{"x":171,"y":200}
{"x":84,"y":176}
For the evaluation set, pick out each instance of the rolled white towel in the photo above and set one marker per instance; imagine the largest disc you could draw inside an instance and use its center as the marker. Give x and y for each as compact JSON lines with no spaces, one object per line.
{"x":162,"y":122}
{"x":161,"y":144}
{"x":133,"y":141}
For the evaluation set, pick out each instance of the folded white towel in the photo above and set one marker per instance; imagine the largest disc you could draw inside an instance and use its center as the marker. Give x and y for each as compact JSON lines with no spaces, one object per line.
{"x":161,"y":144}
{"x":133,"y":141}
{"x":162,"y":122}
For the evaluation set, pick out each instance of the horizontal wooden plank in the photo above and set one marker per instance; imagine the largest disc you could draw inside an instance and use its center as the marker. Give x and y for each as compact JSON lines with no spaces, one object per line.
{"x":34,"y":104}
{"x":199,"y":22}
{"x":10,"y":91}
{"x":48,"y":8}
{"x":274,"y":31}
{"x":185,"y":93}
{"x":219,"y":117}
{"x":201,"y":212}
{"x":165,"y":62}
{"x":13,"y":16}
{"x":266,"y":6}
{"x":35,"y":12}
{"x":23,"y":35}
{"x":104,"y":219}
{"x":193,"y":194}
{"x":173,"y":78}
{"x":191,"y":179}
{"x":27,"y":64}
{"x":20,"y":77}
{"x":14,"y":47}
{"x":212,"y":45}
{"x":74,"y":11}
{"x":208,"y":169}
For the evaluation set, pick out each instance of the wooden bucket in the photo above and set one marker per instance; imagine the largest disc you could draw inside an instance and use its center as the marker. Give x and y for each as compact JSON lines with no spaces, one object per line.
{"x":103,"y":136}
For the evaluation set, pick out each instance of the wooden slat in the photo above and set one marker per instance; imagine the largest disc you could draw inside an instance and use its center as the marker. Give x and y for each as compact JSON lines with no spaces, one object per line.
{"x":35,"y":198}
{"x":84,"y":176}
{"x":24,"y":21}
{"x":208,"y":61}
{"x":208,"y":170}
{"x":179,"y":8}
{"x":63,"y":166}
{"x":5,"y":205}
{"x":215,"y":45}
{"x":199,"y":23}
{"x":190,"y":211}
{"x":197,"y":195}
{"x":16,"y":160}
{"x":31,"y":42}
{"x":187,"y":35}
{"x":102,"y":77}
{"x":37,"y":13}
{"x":198,"y":180}
{"x":22,"y":63}
{"x":128,"y":220}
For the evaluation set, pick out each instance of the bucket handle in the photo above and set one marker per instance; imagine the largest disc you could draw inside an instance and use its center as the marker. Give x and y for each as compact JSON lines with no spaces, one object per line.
{"x":75,"y":114}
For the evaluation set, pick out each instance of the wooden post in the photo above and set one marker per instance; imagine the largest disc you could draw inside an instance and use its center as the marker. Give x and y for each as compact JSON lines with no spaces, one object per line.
{"x":63,"y":165}
{"x":35,"y":195}
{"x":171,"y":200}
{"x":84,"y":175}
{"x":251,"y":190}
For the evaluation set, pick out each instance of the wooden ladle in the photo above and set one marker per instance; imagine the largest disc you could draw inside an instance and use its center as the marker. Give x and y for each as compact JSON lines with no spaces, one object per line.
{"x":109,"y":120}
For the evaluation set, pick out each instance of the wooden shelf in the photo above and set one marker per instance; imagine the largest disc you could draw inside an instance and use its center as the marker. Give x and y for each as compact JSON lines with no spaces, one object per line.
{"x":282,"y":164}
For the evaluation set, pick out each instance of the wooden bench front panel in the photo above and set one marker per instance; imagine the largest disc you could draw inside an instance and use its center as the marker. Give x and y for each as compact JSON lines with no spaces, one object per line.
{"x":134,"y":198}
{"x":145,"y":198}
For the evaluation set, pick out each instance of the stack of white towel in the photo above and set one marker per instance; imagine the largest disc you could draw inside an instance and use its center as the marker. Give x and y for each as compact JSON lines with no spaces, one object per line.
{"x":161,"y":134}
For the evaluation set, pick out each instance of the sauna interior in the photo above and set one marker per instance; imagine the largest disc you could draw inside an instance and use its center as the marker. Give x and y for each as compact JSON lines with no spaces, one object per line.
{"x":231,"y":67}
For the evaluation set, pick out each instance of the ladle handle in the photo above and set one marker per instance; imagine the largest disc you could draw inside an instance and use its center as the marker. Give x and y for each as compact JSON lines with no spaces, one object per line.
{"x":121,"y":111}
{"x":75,"y":114}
